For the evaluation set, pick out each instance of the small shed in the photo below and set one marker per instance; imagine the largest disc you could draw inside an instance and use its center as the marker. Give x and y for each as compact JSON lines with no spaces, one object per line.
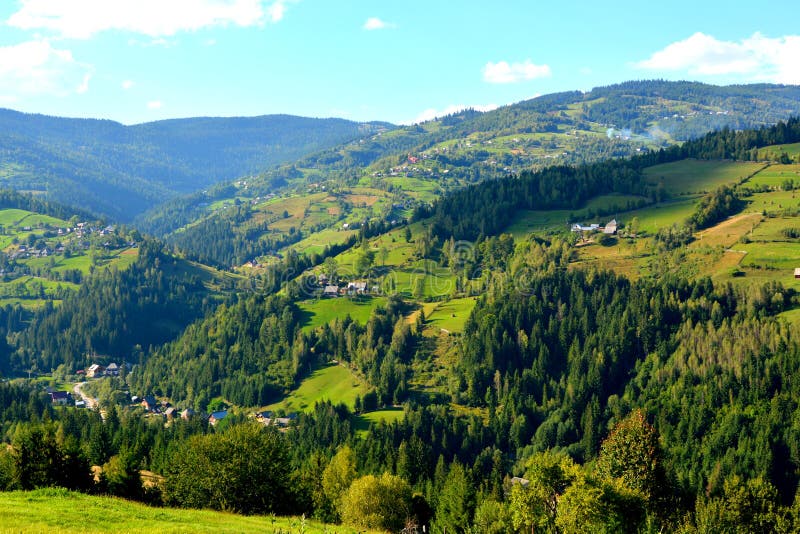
{"x":797,"y":272}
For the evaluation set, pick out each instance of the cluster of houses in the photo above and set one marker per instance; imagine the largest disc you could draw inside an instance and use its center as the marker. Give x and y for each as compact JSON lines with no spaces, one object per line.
{"x":268,"y":418}
{"x":80,"y":231}
{"x":152,"y":406}
{"x":610,"y":227}
{"x":352,"y":288}
{"x":23,"y":251}
{"x":98,"y":371}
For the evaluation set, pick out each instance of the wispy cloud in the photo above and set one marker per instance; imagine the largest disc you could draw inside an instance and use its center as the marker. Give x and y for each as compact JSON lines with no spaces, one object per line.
{"x":504,"y":72}
{"x":757,"y":58}
{"x":37,"y":68}
{"x":432,"y":113}
{"x":127,"y":84}
{"x":82,"y":19}
{"x":155,"y":104}
{"x":374,"y":23}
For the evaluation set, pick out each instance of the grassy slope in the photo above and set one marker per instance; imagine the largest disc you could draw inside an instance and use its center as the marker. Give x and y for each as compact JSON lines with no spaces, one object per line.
{"x":323,"y":311}
{"x":690,"y":176}
{"x":748,"y":248}
{"x":56,"y":511}
{"x":334,"y":383}
{"x":450,"y":315}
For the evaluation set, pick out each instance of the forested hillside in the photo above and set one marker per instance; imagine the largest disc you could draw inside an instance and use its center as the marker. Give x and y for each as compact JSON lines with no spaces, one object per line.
{"x":609,"y":347}
{"x":415,"y":165}
{"x":120,"y":171}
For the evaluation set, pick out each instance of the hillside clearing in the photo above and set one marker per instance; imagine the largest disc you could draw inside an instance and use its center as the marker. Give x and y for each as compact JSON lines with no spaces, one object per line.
{"x":691,"y":176}
{"x":334,"y":383}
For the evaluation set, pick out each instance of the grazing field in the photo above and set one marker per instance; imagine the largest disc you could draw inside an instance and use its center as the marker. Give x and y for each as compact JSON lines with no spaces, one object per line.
{"x":776,"y":175}
{"x":624,"y":257}
{"x":660,"y":215}
{"x":781,"y":256}
{"x":334,"y":383}
{"x":387,"y":415}
{"x":773,"y":152}
{"x":527,"y":221}
{"x":792,"y":316}
{"x":694,"y":177}
{"x":421,"y":279}
{"x":450,"y":315}
{"x":772,"y":229}
{"x":316,"y":242}
{"x":58,"y":511}
{"x":774,"y":202}
{"x":323,"y":311}
{"x":728,"y":232}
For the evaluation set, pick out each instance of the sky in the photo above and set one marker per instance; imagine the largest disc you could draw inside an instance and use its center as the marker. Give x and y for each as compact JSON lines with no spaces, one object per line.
{"x":137,"y":61}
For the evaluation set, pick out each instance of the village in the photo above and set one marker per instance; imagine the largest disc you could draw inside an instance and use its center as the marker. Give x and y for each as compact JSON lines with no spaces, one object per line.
{"x":151,"y":407}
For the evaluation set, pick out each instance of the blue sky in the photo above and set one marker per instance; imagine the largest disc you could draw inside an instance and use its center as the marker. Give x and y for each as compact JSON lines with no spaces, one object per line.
{"x":141,"y":60}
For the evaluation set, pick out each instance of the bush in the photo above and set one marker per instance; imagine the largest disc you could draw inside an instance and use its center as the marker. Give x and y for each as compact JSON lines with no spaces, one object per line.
{"x":245,"y":469}
{"x":377,"y":502}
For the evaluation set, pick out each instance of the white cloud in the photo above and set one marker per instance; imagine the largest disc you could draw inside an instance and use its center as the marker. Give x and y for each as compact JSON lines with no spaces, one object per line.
{"x":81,"y":19}
{"x":757,"y":58}
{"x":36,"y":68}
{"x":374,"y":23}
{"x":277,"y":10}
{"x":155,"y":104}
{"x":127,"y":84}
{"x":504,"y":72}
{"x":431,"y":113}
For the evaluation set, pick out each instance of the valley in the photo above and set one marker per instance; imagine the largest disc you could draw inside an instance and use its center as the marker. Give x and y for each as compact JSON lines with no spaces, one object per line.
{"x":413,"y":323}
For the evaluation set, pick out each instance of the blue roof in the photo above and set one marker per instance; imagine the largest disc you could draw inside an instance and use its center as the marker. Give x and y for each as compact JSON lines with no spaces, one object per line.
{"x":220,"y":415}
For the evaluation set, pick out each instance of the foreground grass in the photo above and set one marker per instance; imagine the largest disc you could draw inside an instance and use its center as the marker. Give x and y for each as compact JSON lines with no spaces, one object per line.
{"x":60,"y":511}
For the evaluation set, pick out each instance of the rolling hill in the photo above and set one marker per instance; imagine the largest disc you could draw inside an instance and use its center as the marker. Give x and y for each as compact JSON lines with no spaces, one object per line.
{"x":120,"y":171}
{"x":392,"y":172}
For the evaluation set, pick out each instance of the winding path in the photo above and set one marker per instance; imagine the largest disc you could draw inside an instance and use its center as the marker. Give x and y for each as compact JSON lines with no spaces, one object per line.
{"x":91,"y":403}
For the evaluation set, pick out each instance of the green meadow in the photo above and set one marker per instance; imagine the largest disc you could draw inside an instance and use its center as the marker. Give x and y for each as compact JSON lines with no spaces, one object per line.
{"x":773,"y":152}
{"x":334,"y":383}
{"x":324,"y":310}
{"x":687,"y":177}
{"x":58,"y":511}
{"x":387,"y":415}
{"x":776,"y":175}
{"x":651,"y":218}
{"x":450,"y":315}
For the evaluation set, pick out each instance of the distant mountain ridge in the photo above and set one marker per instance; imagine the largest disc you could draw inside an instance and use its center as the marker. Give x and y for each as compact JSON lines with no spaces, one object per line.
{"x":143,"y":173}
{"x":120,"y":171}
{"x":420,"y":162}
